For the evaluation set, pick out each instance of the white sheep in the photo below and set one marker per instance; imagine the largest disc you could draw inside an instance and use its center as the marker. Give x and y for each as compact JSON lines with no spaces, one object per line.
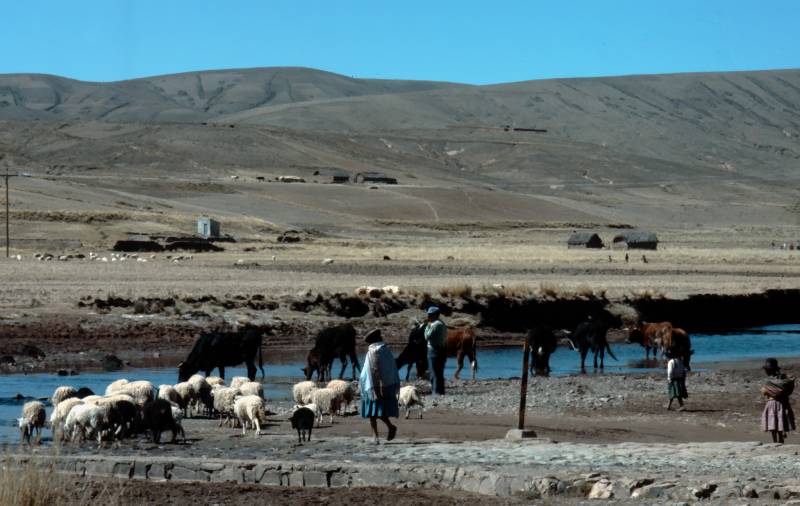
{"x":252,"y":388}
{"x":302,"y":391}
{"x":327,"y":399}
{"x":224,"y":398}
{"x":202,"y":391}
{"x":410,"y":397}
{"x":238,"y":381}
{"x":215,"y":380}
{"x":187,"y":396}
{"x":168,"y":393}
{"x":61,"y":393}
{"x":87,"y":421}
{"x":116,"y":386}
{"x":250,"y":409}
{"x":314,"y":409}
{"x":32,"y":419}
{"x":122,"y":413}
{"x":59,"y":415}
{"x":345,"y":392}
{"x":141,"y":391}
{"x":177,"y":415}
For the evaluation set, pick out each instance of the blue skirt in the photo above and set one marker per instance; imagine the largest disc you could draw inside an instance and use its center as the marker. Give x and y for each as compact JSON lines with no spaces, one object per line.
{"x":386,"y":406}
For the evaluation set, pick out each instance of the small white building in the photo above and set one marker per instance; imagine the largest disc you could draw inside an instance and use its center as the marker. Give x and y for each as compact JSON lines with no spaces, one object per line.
{"x":207,"y":227}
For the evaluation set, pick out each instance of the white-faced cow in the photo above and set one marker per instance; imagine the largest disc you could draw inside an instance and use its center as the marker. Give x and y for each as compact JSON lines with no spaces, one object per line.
{"x":542,"y":343}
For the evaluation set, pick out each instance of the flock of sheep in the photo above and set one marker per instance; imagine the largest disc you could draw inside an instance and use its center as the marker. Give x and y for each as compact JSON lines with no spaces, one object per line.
{"x":132,"y":407}
{"x":113,"y":257}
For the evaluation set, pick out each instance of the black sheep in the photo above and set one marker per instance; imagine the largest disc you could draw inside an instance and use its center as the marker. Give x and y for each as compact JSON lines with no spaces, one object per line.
{"x":303,"y":420}
{"x":157,"y":417}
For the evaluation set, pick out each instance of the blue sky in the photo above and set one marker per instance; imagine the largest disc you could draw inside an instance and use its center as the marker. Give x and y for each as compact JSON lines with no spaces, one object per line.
{"x":463,"y":41}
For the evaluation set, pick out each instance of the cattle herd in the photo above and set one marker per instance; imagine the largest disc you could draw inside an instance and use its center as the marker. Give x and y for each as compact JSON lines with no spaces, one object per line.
{"x":128,"y":408}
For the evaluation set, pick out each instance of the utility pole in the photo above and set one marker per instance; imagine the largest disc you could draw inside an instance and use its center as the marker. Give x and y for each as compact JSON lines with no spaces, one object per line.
{"x":8,"y":240}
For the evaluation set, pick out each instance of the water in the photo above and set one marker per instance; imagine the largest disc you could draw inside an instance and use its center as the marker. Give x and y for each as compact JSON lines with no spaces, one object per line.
{"x":774,"y":340}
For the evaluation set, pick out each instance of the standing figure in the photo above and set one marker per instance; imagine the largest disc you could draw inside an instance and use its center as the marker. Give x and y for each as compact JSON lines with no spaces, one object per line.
{"x":676,"y":376}
{"x":436,"y":336}
{"x":778,"y":417}
{"x":380,"y":385}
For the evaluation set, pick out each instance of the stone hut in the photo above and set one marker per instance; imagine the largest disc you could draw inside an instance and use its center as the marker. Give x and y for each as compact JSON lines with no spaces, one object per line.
{"x":584,"y":240}
{"x":374,"y":177}
{"x":636,"y":239}
{"x":332,"y":175}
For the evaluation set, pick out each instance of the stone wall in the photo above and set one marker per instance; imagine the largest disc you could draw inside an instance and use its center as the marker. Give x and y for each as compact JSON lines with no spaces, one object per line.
{"x":530,"y":484}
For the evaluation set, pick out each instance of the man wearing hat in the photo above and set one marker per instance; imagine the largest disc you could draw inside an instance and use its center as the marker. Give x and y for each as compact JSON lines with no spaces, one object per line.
{"x":436,"y":335}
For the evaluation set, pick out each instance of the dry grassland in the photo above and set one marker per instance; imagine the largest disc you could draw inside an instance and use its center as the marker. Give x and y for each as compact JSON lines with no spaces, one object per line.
{"x":436,"y":264}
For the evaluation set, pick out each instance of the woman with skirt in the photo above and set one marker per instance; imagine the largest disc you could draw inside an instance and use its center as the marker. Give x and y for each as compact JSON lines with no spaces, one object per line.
{"x":778,"y":417}
{"x":676,"y":379}
{"x":380,"y":385}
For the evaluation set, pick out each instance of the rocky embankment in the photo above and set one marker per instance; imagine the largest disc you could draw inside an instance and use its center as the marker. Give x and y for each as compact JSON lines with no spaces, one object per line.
{"x":157,"y":331}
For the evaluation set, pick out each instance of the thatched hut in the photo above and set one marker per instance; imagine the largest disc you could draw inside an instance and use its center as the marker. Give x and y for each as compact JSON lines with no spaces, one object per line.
{"x":636,"y":239}
{"x":584,"y":240}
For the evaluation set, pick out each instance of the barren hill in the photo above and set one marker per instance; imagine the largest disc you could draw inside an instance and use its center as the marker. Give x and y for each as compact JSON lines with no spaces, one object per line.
{"x":665,"y":151}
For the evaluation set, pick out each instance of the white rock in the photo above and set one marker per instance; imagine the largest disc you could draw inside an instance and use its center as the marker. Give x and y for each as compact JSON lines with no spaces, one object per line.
{"x":603,"y":489}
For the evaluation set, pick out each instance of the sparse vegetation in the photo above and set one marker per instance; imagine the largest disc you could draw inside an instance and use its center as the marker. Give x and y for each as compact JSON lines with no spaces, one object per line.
{"x":550,"y":290}
{"x":462,"y":290}
{"x":31,"y":484}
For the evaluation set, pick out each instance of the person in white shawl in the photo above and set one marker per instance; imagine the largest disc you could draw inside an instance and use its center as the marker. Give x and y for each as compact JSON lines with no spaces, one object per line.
{"x":380,"y":385}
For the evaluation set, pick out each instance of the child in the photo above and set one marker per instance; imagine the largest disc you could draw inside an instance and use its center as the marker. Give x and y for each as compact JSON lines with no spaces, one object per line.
{"x":676,"y":375}
{"x":778,"y":417}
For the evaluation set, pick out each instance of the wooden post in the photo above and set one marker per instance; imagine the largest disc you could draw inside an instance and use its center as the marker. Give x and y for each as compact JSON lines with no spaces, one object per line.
{"x":523,"y":387}
{"x":8,"y":241}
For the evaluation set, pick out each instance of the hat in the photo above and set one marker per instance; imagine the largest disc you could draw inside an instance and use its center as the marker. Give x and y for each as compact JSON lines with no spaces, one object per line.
{"x":771,"y":364}
{"x":373,"y":336}
{"x":433,"y":310}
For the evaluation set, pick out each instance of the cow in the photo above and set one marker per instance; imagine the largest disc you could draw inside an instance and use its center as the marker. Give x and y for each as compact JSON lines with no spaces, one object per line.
{"x":679,"y":342}
{"x":415,"y":352}
{"x":591,"y":335}
{"x":332,"y":342}
{"x":224,"y":349}
{"x":649,"y":335}
{"x":542,"y":343}
{"x":461,"y":342}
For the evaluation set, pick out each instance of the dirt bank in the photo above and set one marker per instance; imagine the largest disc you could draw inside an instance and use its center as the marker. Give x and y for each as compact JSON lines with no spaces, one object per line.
{"x":150,"y":332}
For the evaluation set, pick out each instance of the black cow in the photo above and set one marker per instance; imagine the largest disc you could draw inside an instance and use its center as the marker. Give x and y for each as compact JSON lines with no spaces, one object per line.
{"x":415,"y":352}
{"x":332,"y":342}
{"x":591,"y":335}
{"x":542,"y":343}
{"x":224,"y":349}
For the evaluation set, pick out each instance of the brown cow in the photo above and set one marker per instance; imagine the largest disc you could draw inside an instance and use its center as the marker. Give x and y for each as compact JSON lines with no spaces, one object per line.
{"x":461,"y":342}
{"x":650,"y":335}
{"x":679,"y":342}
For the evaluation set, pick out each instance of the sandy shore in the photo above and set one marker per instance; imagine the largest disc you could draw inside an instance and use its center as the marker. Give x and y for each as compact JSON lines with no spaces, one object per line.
{"x":610,"y":429}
